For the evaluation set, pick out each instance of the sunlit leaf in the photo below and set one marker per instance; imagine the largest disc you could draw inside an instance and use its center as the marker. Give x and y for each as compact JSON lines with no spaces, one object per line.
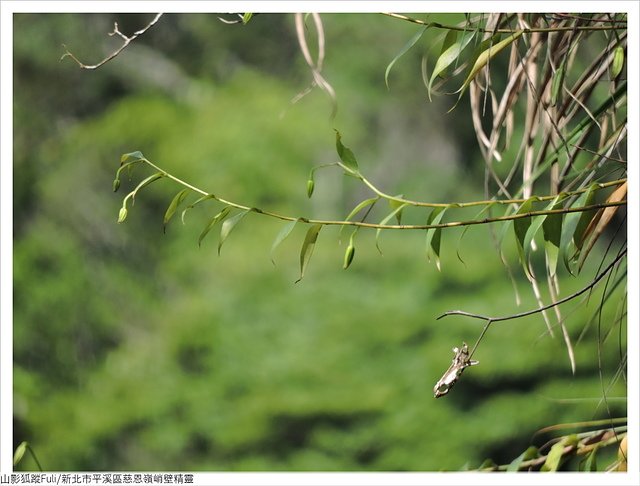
{"x":448,"y":56}
{"x":617,"y":63}
{"x":434,"y":235}
{"x":228,"y":225}
{"x":212,"y":222}
{"x":520,"y":227}
{"x":19,"y":453}
{"x":246,"y":18}
{"x":552,"y":232}
{"x":281,"y":236}
{"x":346,"y":155}
{"x":385,"y":221}
{"x":556,"y":454}
{"x":529,"y":454}
{"x":307,"y":248}
{"x":412,"y":42}
{"x":173,"y":206}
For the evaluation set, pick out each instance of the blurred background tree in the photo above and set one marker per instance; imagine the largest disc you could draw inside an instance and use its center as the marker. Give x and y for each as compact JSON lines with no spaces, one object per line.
{"x":135,"y":350}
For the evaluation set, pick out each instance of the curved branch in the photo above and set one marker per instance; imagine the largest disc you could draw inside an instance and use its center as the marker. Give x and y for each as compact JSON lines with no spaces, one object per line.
{"x":127,"y":40}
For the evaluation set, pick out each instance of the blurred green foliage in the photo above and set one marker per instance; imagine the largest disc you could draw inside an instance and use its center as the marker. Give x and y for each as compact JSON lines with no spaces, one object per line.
{"x":136,"y":350}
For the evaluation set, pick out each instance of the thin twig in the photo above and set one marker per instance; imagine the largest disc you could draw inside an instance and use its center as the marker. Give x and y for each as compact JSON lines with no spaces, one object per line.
{"x":127,"y":40}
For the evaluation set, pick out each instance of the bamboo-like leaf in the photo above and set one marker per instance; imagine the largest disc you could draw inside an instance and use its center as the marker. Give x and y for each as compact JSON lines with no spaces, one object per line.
{"x":571,"y":220}
{"x":137,"y":155}
{"x":448,"y":56}
{"x":281,"y":236}
{"x":484,"y":57}
{"x":146,"y":182}
{"x":173,"y":206}
{"x":617,"y":63}
{"x":228,"y":225}
{"x":590,"y":464}
{"x":540,"y":221}
{"x":412,"y":42}
{"x":557,"y":82}
{"x":552,"y":231}
{"x":358,"y":208}
{"x":529,"y":454}
{"x":385,"y":221}
{"x":195,"y":203}
{"x":587,"y":219}
{"x":520,"y":227}
{"x":307,"y":248}
{"x":434,"y":235}
{"x":212,"y":222}
{"x":346,"y":155}
{"x":395,"y":204}
{"x":556,"y":454}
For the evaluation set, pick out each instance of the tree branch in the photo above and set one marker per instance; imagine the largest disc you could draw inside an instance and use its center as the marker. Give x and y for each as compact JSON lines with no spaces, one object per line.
{"x":127,"y":40}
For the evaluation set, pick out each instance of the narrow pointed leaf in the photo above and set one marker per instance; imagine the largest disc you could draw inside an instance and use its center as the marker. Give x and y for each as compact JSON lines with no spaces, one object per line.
{"x":173,"y":206}
{"x":556,"y":83}
{"x":281,"y":236}
{"x":246,"y":18}
{"x":433,"y":235}
{"x":586,"y":219}
{"x":555,"y":456}
{"x":448,"y":56}
{"x":571,"y":220}
{"x":346,"y":155}
{"x":529,"y":454}
{"x":590,"y":464}
{"x":485,"y":56}
{"x":393,"y":204}
{"x":195,"y":203}
{"x":385,"y":221}
{"x":358,"y":208}
{"x":412,"y":42}
{"x":520,"y":228}
{"x":146,"y":182}
{"x":552,"y":231}
{"x":307,"y":248}
{"x":228,"y":225}
{"x":212,"y":222}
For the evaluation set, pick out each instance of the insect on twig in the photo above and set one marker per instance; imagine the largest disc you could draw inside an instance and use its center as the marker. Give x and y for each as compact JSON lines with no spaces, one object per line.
{"x":461,"y":360}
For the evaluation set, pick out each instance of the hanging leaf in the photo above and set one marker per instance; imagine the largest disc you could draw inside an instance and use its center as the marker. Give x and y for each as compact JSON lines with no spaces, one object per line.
{"x":520,"y":227}
{"x":557,"y":82}
{"x":448,"y":56}
{"x":412,"y":42}
{"x":484,"y":57}
{"x":556,"y":454}
{"x":529,"y":454}
{"x":385,"y":221}
{"x":144,"y":183}
{"x":307,"y":248}
{"x":394,"y":204}
{"x":587,"y":219}
{"x":433,"y":235}
{"x":195,"y":203}
{"x":617,"y":63}
{"x":281,"y":236}
{"x":346,"y":155}
{"x":212,"y":222}
{"x":228,"y":225}
{"x":571,"y":220}
{"x":137,"y":155}
{"x":357,"y":209}
{"x":173,"y":206}
{"x":552,"y":231}
{"x":589,"y":464}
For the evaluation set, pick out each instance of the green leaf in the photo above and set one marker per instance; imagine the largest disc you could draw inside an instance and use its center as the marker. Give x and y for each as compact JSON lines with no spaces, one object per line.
{"x":384,"y":221}
{"x":552,"y":231}
{"x":195,"y":203}
{"x":246,"y":18}
{"x":307,"y":248}
{"x":173,"y":206}
{"x":282,"y":235}
{"x":585,"y":217}
{"x":448,"y":56}
{"x":556,"y":454}
{"x":358,"y":208}
{"x":228,"y":225}
{"x":571,"y":220}
{"x":346,"y":155}
{"x":520,"y":227}
{"x":529,"y":454}
{"x":412,"y":42}
{"x":617,"y":63}
{"x":488,"y":464}
{"x":484,"y":57}
{"x":19,"y":453}
{"x":557,"y":81}
{"x":433,"y":235}
{"x":590,"y":464}
{"x":212,"y":222}
{"x":137,"y":155}
{"x":394,"y":204}
{"x":146,"y":182}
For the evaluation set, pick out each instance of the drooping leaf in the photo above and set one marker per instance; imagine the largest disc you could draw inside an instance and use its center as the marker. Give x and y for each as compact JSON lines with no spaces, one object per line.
{"x":540,"y":221}
{"x":484,"y":57}
{"x":307,"y":248}
{"x":144,"y":183}
{"x":590,"y":464}
{"x":281,"y":236}
{"x":571,"y":220}
{"x":228,"y":225}
{"x":557,"y":82}
{"x":173,"y":206}
{"x":212,"y":222}
{"x":358,"y":208}
{"x":385,"y":221}
{"x":617,"y":63}
{"x":434,"y":234}
{"x":520,"y":227}
{"x":552,"y":231}
{"x":395,"y":204}
{"x":194,"y":204}
{"x":529,"y":454}
{"x":346,"y":155}
{"x":586,"y":218}
{"x":19,"y":453}
{"x":448,"y":56}
{"x":137,"y":155}
{"x":412,"y":42}
{"x":556,"y":454}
